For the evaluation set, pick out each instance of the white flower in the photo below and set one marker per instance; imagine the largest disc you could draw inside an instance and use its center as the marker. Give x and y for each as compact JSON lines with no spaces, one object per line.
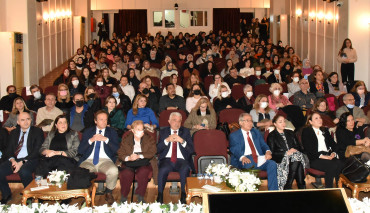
{"x":358,"y":206}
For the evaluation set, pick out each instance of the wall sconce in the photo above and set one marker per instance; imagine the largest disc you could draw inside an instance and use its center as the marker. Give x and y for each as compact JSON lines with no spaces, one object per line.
{"x":45,"y":16}
{"x":312,"y":15}
{"x":52,"y":16}
{"x":329,"y":17}
{"x":69,"y":13}
{"x":298,"y":12}
{"x":320,"y":16}
{"x":176,"y":6}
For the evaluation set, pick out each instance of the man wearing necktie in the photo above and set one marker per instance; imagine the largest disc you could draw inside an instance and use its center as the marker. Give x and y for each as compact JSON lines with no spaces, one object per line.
{"x":22,"y":154}
{"x":98,"y":150}
{"x":175,"y":149}
{"x":248,"y":147}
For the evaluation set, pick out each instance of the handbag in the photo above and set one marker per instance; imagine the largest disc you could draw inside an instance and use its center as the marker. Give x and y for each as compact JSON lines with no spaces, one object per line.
{"x":355,"y":170}
{"x":355,"y":150}
{"x":137,"y":163}
{"x":224,"y":127}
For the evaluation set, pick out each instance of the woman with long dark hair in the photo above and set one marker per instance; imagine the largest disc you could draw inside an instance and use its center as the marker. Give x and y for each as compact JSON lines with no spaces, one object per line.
{"x":347,"y":56}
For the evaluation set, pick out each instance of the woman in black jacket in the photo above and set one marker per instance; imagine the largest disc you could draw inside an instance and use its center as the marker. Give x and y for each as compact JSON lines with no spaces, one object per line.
{"x":93,"y":101}
{"x":350,"y":135}
{"x":224,"y":100}
{"x":321,"y":149}
{"x":286,"y":152}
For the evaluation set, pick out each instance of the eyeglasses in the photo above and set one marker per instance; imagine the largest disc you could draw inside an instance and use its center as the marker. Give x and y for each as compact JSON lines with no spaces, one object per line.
{"x":248,"y":120}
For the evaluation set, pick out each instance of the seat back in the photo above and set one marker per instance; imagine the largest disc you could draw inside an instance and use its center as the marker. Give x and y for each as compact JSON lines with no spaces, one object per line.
{"x":340,"y":100}
{"x":164,"y":116}
{"x":332,"y":102}
{"x":230,"y":115}
{"x":209,"y":143}
{"x":51,"y":89}
{"x":237,"y":91}
{"x":207,"y":82}
{"x":156,"y":81}
{"x":262,"y":89}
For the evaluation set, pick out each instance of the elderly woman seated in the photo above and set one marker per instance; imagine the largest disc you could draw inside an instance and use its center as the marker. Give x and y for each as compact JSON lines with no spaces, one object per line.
{"x":246,"y":102}
{"x":136,"y":157}
{"x":261,"y":113}
{"x":202,"y":116}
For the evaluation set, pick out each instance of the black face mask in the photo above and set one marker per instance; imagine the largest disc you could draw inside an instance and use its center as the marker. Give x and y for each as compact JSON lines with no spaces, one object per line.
{"x":196,"y":92}
{"x":145,"y":91}
{"x":12,"y":95}
{"x":92,"y":95}
{"x":79,"y":103}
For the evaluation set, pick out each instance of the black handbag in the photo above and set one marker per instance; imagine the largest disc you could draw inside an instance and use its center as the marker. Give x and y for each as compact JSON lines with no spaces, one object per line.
{"x":355,"y":170}
{"x":137,"y":163}
{"x":224,"y":127}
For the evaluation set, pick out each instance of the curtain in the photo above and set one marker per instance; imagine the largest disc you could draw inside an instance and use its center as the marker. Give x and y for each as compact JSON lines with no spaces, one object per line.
{"x":226,"y":19}
{"x":131,"y":20}
{"x":106,"y":21}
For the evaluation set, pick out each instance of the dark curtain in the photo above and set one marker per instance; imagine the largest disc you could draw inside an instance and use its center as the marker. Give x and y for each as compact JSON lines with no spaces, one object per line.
{"x":106,"y":21}
{"x":226,"y":19}
{"x":131,"y":20}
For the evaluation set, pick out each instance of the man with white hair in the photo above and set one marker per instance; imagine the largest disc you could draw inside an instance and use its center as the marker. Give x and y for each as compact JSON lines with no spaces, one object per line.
{"x":349,"y":106}
{"x":175,"y":147}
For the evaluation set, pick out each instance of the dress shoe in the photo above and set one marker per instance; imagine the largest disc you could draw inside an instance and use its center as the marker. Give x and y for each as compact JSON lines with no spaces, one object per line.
{"x":183,"y":198}
{"x":160,"y":197}
{"x":109,"y":198}
{"x":5,"y":200}
{"x":140,"y":199}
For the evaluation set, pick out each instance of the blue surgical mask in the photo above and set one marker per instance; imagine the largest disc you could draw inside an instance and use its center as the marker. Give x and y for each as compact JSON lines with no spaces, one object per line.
{"x":115,"y":94}
{"x":350,"y":106}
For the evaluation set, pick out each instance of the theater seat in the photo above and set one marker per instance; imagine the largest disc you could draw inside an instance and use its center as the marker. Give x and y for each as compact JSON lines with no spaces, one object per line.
{"x":13,"y":178}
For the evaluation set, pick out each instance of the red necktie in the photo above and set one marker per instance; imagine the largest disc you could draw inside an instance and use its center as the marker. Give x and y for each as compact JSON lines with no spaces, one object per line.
{"x":253,"y":149}
{"x":174,"y":150}
{"x":20,"y":145}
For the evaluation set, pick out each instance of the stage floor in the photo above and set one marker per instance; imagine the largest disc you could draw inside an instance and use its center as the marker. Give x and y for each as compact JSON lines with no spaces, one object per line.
{"x":151,"y":193}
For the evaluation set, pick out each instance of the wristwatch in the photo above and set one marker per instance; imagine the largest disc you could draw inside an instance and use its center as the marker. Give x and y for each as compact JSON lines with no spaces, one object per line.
{"x":24,"y":161}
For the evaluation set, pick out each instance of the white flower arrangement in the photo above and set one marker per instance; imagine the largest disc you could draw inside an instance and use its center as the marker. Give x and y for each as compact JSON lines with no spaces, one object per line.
{"x":218,"y":170}
{"x":125,"y":208}
{"x":360,"y":206}
{"x":368,"y":163}
{"x":57,"y":177}
{"x":241,"y":181}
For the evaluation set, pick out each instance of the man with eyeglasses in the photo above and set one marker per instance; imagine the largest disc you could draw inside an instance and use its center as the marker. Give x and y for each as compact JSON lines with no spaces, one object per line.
{"x":248,"y":149}
{"x":349,"y":106}
{"x":304,"y":98}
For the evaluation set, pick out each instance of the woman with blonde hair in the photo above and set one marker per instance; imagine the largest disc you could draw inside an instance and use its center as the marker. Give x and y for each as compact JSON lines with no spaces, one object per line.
{"x":202,"y":116}
{"x":18,"y":106}
{"x":139,"y":111}
{"x":261,"y":113}
{"x":224,"y":100}
{"x":64,"y":101}
{"x":277,"y":99}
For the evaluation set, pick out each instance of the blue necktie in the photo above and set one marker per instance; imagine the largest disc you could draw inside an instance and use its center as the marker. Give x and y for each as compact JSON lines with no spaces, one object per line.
{"x":97,"y":151}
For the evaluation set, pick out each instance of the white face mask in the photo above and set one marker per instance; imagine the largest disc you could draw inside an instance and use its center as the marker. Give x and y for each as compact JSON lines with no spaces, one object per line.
{"x":37,"y":95}
{"x":276,"y":92}
{"x":263,"y":105}
{"x":249,"y":94}
{"x":139,"y":134}
{"x":99,"y":83}
{"x":224,"y":94}
{"x":258,"y":73}
{"x":296,"y":79}
{"x":75,"y":82}
{"x":276,"y":72}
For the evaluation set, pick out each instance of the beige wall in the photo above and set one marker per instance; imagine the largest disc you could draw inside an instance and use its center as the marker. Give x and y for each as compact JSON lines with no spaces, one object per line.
{"x":315,"y":38}
{"x":359,"y":33}
{"x":100,"y":6}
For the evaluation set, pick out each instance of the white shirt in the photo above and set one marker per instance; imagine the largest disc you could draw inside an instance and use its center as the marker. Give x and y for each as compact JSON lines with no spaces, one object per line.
{"x":179,"y":91}
{"x":179,"y":154}
{"x":128,"y":90}
{"x":321,"y":140}
{"x":137,"y":148}
{"x":245,"y":72}
{"x":247,"y":150}
{"x":102,"y":153}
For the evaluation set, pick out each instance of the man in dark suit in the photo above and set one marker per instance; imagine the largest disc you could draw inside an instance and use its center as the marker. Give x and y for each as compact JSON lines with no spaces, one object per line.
{"x":248,"y":148}
{"x":175,"y":147}
{"x":98,"y":151}
{"x":22,"y":154}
